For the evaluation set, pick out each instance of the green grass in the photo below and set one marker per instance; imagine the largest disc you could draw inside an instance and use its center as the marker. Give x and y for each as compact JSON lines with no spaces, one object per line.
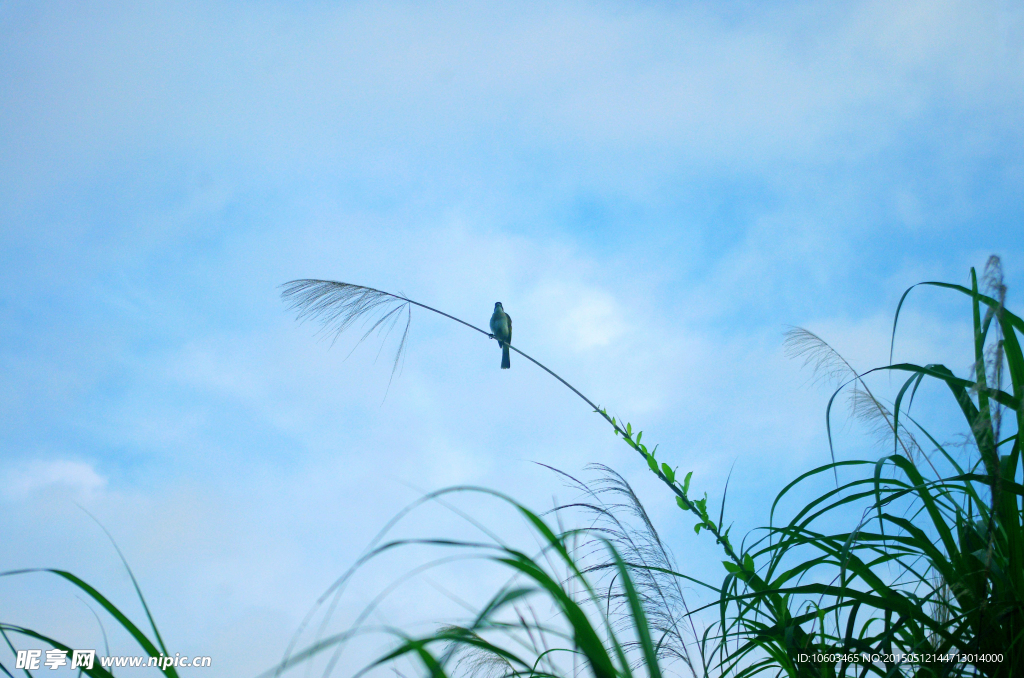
{"x":932,"y":566}
{"x":936,"y":565}
{"x":931,"y":569}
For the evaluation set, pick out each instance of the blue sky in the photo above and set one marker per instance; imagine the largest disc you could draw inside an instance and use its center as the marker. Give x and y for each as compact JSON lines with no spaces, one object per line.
{"x":654,"y":191}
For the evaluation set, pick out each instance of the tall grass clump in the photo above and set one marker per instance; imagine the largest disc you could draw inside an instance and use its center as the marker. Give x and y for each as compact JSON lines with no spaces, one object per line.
{"x":926,"y":577}
{"x":930,"y":580}
{"x":152,"y":645}
{"x":551,"y":618}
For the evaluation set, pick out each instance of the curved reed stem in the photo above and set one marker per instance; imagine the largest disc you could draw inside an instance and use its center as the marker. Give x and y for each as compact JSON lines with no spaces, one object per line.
{"x":337,"y":305}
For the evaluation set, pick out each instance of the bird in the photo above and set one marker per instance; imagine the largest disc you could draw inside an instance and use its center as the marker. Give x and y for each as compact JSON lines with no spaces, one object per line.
{"x":501,"y":331}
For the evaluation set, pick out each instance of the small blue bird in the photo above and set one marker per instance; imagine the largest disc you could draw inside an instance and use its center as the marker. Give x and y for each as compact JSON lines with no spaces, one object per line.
{"x":501,"y":330}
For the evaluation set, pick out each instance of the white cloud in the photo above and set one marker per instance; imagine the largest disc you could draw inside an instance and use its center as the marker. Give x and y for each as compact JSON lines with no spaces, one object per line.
{"x":579,"y":318}
{"x":77,"y":478}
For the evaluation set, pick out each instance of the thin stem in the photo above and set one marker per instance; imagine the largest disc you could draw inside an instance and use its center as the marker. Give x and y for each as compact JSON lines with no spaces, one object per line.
{"x":708,"y":524}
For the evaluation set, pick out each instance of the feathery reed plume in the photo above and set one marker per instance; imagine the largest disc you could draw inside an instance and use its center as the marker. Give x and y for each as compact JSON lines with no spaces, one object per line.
{"x":619,"y":517}
{"x":336,"y":306}
{"x":828,"y":366}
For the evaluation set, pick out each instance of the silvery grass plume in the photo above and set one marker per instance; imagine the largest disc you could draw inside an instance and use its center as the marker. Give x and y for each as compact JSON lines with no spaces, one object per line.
{"x":993,"y":361}
{"x":337,"y":305}
{"x":618,"y":516}
{"x":831,"y":368}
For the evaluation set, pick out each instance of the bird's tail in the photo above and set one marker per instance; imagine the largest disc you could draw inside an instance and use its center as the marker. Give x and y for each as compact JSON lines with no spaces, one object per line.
{"x":505,"y":363}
